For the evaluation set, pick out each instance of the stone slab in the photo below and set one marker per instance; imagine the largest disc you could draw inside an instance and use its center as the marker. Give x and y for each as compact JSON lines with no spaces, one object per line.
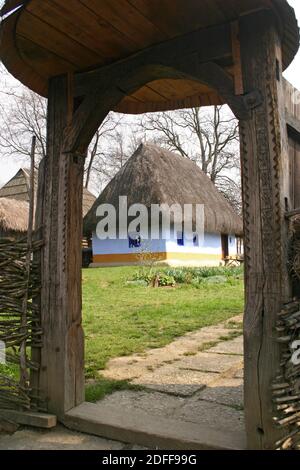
{"x":155,"y":403}
{"x":213,"y":415}
{"x":225,"y":392}
{"x":234,"y":346}
{"x":169,"y":379}
{"x":209,"y":362}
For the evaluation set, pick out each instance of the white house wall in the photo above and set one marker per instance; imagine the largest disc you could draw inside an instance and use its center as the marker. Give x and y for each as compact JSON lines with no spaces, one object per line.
{"x":117,"y":252}
{"x":208,"y":254}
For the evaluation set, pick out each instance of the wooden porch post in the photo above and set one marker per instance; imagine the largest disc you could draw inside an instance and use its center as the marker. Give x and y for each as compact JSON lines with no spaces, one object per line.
{"x":61,"y":377}
{"x":266,"y":194}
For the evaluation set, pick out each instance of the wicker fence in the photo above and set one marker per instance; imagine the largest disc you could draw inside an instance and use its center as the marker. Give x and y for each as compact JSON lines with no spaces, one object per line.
{"x":286,"y":387}
{"x":20,"y":329}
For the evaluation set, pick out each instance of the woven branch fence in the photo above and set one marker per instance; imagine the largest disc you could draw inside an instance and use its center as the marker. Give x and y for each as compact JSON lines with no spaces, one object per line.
{"x":286,"y":387}
{"x":20,"y":328}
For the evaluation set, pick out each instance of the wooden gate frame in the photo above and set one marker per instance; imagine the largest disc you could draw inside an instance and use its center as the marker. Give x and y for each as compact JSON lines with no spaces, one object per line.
{"x":77,"y":106}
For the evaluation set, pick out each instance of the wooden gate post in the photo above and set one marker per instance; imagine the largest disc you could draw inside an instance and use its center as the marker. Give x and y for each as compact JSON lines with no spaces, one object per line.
{"x":61,"y":379}
{"x":266,"y":196}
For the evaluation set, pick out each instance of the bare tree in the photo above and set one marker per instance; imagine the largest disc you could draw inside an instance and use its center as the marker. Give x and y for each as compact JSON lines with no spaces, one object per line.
{"x":23,"y":113}
{"x":208,"y":137}
{"x":97,"y":154}
{"x":122,"y":144}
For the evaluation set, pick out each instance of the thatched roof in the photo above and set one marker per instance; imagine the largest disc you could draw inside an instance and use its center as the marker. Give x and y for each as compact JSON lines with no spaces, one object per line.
{"x":19,"y":186}
{"x":156,"y":176}
{"x":87,"y":201}
{"x":13,"y":215}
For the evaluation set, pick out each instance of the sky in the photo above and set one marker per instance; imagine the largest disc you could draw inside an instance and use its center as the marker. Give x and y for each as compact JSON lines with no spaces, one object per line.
{"x":8,"y":167}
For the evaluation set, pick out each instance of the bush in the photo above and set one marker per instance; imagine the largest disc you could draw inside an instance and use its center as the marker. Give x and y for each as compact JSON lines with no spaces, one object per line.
{"x":188,"y":275}
{"x":194,"y":276}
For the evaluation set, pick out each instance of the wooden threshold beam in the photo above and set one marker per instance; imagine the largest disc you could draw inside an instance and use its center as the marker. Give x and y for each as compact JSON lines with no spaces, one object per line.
{"x":137,"y":427}
{"x":28,"y":418}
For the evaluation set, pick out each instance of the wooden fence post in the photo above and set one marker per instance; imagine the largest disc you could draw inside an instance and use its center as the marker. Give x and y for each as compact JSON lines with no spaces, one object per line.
{"x":266,"y":196}
{"x":61,"y":379}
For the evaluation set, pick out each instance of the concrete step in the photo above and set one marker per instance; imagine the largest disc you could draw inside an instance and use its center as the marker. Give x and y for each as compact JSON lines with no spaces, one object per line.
{"x":138,"y":427}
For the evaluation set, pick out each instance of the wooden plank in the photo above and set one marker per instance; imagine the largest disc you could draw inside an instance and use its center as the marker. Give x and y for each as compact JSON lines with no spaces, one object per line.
{"x":211,"y":99}
{"x":179,"y":89}
{"x":13,"y":60}
{"x":37,"y":420}
{"x":45,"y":35}
{"x":46,"y":62}
{"x":264,"y":150}
{"x":178,"y":19}
{"x":237,"y":60}
{"x":149,"y":94}
{"x":126,"y":19}
{"x":138,"y":427}
{"x":82,"y":25}
{"x":209,"y":45}
{"x":61,"y":378}
{"x":37,"y":257}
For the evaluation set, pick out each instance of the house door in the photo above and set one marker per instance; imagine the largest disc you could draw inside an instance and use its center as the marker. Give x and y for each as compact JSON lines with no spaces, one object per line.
{"x":225,"y":246}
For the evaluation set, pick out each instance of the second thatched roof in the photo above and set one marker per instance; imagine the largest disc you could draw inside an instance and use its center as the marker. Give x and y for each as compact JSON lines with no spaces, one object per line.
{"x":156,"y":176}
{"x":13,"y":215}
{"x":18,"y":187}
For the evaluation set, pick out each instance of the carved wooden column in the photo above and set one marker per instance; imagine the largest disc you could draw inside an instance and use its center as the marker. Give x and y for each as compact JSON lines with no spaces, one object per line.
{"x":61,"y":378}
{"x":266,"y":194}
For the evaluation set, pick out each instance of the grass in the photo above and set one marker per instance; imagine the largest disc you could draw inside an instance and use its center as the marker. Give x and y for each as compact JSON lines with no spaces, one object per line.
{"x":121,"y":319}
{"x":97,"y":391}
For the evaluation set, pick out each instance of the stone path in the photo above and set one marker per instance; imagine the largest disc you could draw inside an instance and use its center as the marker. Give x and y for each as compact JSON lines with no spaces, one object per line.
{"x":198,"y":378}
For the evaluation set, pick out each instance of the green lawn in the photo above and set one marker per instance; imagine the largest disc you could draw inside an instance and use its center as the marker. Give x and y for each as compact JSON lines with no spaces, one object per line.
{"x":121,"y":319}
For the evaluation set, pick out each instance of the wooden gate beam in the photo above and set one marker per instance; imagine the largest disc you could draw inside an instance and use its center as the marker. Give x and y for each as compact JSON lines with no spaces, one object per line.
{"x":61,"y":377}
{"x":192,"y":56}
{"x":125,"y":78}
{"x":211,"y":44}
{"x":266,"y":197}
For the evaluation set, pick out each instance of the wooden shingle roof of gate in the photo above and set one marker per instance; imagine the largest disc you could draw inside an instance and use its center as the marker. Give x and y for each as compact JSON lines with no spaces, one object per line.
{"x":46,"y":38}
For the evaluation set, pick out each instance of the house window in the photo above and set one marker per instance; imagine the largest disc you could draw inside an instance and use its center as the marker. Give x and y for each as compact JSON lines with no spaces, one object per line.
{"x":196,"y":240}
{"x":180,"y":238}
{"x":135,"y":241}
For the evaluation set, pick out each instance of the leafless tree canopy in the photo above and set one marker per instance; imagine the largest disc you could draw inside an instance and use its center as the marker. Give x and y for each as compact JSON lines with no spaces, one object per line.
{"x":208,"y":136}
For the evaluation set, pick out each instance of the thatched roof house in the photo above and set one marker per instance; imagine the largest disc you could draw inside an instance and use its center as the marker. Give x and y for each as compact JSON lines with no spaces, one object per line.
{"x":157,"y":176}
{"x":18,"y":188}
{"x":13,"y":218}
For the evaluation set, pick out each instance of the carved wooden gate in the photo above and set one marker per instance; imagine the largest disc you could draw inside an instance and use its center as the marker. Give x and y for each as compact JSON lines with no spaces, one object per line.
{"x":229,"y":52}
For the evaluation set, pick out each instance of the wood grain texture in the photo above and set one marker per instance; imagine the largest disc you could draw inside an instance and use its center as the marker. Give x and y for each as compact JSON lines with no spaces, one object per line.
{"x":61,"y":377}
{"x":266,"y":191}
{"x":90,"y":33}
